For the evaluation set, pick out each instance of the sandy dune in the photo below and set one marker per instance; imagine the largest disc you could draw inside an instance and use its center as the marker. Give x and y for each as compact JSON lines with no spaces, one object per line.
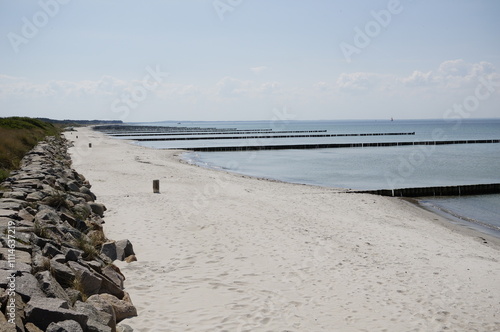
{"x":223,"y":252}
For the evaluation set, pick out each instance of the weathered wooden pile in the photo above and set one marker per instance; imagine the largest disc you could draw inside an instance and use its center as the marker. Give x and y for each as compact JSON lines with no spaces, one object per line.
{"x":56,"y":270}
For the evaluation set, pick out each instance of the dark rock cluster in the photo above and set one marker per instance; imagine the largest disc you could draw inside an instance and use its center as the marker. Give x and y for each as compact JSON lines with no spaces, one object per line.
{"x":56,"y":264}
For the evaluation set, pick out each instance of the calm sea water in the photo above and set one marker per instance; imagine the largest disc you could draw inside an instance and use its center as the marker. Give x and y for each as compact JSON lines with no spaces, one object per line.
{"x":369,"y":168}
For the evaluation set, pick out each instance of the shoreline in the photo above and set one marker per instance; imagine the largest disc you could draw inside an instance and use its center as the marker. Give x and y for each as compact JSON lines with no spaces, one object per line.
{"x":218,"y":250}
{"x":467,"y":226}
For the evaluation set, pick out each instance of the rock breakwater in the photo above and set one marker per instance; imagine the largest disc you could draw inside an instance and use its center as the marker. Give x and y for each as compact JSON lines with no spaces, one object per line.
{"x":56,"y":264}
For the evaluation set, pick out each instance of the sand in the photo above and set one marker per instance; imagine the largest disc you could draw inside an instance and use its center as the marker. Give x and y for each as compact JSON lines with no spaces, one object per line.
{"x":225,"y":252}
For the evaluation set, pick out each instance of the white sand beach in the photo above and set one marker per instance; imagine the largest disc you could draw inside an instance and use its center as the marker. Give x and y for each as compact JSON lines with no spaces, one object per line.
{"x":224,"y":252}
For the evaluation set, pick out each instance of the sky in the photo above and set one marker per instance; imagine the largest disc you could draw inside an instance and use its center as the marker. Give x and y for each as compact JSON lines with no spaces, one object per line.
{"x":215,"y":60}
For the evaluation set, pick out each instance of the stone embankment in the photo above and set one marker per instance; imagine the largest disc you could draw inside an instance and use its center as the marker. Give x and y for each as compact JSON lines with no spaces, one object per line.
{"x":56,"y":265}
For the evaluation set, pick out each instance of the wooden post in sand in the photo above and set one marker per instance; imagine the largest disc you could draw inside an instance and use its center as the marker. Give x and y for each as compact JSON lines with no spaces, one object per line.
{"x":156,"y":186}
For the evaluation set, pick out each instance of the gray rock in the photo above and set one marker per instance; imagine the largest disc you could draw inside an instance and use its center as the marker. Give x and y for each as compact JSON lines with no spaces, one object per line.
{"x":50,"y":250}
{"x":73,"y":254}
{"x":108,"y":249}
{"x":7,"y":213}
{"x":114,"y":274}
{"x":109,"y":287}
{"x":98,"y":208}
{"x":11,"y":204}
{"x":88,"y":280}
{"x":103,"y":306}
{"x":26,"y":215}
{"x":47,"y":216}
{"x":98,"y":318}
{"x":18,"y":267}
{"x":50,"y":286}
{"x":86,"y":191}
{"x":73,"y":186}
{"x":36,"y":196}
{"x":14,"y":194}
{"x":83,"y":210}
{"x":61,"y":258}
{"x":63,"y":274}
{"x":27,"y":287}
{"x":41,"y":311}
{"x":124,"y":328}
{"x":73,"y":295}
{"x":21,"y":256}
{"x":123,"y":309}
{"x":124,"y":249}
{"x":64,"y":326}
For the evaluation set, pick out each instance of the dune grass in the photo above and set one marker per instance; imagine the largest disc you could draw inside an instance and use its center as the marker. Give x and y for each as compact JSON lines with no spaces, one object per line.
{"x":18,"y":135}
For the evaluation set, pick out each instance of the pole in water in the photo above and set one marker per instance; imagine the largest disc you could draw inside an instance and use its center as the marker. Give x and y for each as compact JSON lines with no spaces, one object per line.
{"x":156,"y":186}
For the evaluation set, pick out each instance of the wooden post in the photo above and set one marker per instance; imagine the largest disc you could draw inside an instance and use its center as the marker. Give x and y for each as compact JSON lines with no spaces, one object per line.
{"x":156,"y":186}
{"x":90,"y":145}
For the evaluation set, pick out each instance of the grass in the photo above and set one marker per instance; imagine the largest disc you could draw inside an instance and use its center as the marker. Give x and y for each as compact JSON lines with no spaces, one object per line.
{"x":18,"y":135}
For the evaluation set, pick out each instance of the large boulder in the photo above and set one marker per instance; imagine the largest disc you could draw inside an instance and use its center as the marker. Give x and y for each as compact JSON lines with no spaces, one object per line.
{"x":123,"y":309}
{"x":50,"y":286}
{"x":27,"y":287}
{"x":99,"y":319}
{"x":41,"y":311}
{"x":64,"y":326}
{"x":97,"y":208}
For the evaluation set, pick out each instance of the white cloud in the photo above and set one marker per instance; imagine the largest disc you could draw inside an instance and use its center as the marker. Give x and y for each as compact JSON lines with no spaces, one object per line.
{"x":258,"y":70}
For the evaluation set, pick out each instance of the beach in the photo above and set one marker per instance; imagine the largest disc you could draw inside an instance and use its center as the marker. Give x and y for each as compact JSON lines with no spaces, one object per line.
{"x":225,"y":252}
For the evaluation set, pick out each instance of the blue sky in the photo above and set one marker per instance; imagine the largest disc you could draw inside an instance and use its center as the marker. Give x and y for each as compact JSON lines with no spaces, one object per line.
{"x":245,"y":59}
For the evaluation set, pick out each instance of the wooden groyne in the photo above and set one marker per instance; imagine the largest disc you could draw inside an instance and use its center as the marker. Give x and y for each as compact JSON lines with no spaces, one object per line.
{"x":268,"y":136}
{"x":474,"y":189}
{"x":237,"y":132}
{"x":336,"y":145}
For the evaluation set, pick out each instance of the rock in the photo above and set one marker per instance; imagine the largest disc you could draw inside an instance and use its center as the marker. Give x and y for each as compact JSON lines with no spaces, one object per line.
{"x":124,"y":328}
{"x":131,"y":258}
{"x":21,"y":256}
{"x":30,"y":327}
{"x":72,"y":186}
{"x":60,"y":258}
{"x":26,"y":216}
{"x":114,"y":274}
{"x":7,"y":213}
{"x":73,"y":254}
{"x":99,"y":320}
{"x":12,"y":204}
{"x":103,"y":306}
{"x":86,"y":191}
{"x":109,"y":287}
{"x":82,"y":210}
{"x":88,"y":281}
{"x":27,"y":287}
{"x":98,"y":208}
{"x":123,"y":309}
{"x":64,"y":326}
{"x":14,"y":194}
{"x":50,"y":250}
{"x":50,"y":286}
{"x":18,"y":267}
{"x":63,"y":274}
{"x":73,"y":295}
{"x":108,"y":249}
{"x":41,"y":311}
{"x":35,"y":196}
{"x":47,"y":215}
{"x":124,"y":249}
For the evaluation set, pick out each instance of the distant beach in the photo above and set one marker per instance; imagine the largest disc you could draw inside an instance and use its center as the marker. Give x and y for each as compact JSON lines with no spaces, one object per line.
{"x":220,"y":251}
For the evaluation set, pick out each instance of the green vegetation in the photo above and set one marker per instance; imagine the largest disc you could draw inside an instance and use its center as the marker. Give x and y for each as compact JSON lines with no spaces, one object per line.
{"x":18,"y":135}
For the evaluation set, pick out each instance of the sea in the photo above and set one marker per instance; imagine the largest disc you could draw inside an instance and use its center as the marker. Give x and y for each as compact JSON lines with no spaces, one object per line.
{"x":359,"y":168}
